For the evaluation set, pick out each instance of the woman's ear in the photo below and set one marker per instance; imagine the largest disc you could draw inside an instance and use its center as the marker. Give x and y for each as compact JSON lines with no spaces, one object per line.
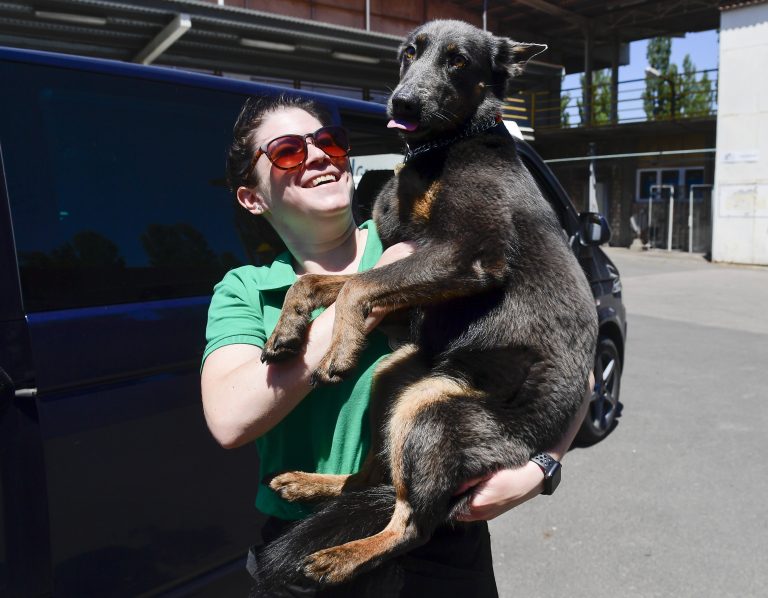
{"x":251,"y":200}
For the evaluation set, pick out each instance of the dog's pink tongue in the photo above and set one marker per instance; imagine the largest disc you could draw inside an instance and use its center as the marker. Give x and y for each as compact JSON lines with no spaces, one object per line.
{"x":406,"y":125}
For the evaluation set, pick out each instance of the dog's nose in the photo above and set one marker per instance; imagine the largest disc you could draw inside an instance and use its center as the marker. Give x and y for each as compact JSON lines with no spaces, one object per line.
{"x":405,"y":105}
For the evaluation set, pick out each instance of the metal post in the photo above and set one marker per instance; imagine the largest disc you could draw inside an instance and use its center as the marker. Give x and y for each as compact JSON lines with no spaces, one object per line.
{"x":690,"y":211}
{"x":671,"y":207}
{"x":650,"y":218}
{"x":690,"y":219}
{"x":485,"y":15}
{"x":615,"y":81}
{"x":671,"y":220}
{"x":589,"y":44}
{"x":592,"y":181}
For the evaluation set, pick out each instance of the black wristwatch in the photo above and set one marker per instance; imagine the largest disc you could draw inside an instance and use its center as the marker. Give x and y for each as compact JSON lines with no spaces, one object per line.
{"x":551,"y":469}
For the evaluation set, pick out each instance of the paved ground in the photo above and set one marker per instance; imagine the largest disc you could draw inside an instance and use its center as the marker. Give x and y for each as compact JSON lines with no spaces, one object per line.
{"x":675,"y":501}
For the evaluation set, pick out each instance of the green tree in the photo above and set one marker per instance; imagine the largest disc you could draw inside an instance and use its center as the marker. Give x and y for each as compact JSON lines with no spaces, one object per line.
{"x":695,"y":95}
{"x":657,"y":97}
{"x":601,"y":98}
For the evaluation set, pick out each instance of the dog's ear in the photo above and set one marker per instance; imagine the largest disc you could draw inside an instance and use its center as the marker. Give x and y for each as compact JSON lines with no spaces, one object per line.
{"x":509,"y":58}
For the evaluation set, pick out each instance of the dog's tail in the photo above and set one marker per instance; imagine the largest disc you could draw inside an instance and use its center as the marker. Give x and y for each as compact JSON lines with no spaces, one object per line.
{"x":342,"y":519}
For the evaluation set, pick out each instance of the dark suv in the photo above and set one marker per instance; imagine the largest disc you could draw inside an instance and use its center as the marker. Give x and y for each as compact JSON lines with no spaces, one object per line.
{"x":115,"y":224}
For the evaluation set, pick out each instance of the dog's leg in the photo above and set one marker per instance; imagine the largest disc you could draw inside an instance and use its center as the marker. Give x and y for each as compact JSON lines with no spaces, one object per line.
{"x":427,"y":276}
{"x":307,"y":294}
{"x":296,"y":486}
{"x":417,"y":513}
{"x":393,"y":373}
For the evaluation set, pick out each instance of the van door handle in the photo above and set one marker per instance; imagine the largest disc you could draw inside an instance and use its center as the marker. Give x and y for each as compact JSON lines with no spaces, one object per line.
{"x":7,"y":390}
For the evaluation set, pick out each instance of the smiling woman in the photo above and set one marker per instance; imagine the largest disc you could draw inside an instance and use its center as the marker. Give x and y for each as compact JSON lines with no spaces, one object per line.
{"x":288,"y":169}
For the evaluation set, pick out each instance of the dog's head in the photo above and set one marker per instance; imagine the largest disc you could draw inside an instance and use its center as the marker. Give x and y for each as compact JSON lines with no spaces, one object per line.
{"x":450,"y":73}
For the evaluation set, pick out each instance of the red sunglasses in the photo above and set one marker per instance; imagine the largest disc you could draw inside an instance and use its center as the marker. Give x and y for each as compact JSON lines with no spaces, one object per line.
{"x":289,"y":151}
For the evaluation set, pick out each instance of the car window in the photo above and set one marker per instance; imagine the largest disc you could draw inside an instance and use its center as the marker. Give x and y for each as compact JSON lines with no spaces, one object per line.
{"x":116,"y":186}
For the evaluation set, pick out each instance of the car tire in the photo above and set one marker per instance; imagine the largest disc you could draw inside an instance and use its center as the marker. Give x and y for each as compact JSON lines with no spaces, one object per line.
{"x":604,"y":405}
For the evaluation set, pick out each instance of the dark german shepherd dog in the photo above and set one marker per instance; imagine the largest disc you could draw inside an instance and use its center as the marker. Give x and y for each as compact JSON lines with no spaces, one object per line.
{"x":504,"y":329}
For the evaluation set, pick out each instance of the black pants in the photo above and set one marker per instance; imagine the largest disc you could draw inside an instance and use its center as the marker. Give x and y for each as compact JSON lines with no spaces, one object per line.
{"x":456,"y":562}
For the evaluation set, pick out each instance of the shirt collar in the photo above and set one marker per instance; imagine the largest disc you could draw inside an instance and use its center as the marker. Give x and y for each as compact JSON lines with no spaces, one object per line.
{"x":281,"y":275}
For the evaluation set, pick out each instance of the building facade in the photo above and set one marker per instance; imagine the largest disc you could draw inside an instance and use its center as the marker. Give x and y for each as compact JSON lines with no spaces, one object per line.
{"x":740,"y":215}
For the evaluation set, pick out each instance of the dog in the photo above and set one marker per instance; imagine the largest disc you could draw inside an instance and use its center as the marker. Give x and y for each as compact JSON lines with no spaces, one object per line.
{"x":503,"y":331}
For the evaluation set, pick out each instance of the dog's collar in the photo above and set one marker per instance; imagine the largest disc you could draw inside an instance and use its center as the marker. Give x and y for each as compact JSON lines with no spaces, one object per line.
{"x":467,"y":132}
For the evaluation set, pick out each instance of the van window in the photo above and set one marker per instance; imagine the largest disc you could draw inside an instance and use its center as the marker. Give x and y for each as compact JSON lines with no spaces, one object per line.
{"x":116,"y":186}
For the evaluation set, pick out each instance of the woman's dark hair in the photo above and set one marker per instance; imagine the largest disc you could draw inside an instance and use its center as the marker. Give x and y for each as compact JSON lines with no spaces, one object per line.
{"x":261,"y":241}
{"x":252,"y":115}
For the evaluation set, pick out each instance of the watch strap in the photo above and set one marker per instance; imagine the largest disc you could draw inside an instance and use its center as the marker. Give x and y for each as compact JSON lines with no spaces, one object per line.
{"x":551,"y":469}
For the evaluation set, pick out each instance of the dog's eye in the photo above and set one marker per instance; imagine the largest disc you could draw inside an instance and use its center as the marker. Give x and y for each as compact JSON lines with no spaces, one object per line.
{"x":458,"y":61}
{"x":409,"y":53}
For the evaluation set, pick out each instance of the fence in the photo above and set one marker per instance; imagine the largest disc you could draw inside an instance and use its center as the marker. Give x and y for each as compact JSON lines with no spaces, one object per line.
{"x":671,"y":219}
{"x":674,"y":97}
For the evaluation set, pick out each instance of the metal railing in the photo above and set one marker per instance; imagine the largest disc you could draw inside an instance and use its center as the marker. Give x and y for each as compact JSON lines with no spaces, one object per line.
{"x":660,"y":98}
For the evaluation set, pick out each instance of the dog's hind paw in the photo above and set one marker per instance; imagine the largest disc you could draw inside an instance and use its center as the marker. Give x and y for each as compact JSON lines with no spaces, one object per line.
{"x":300,"y":486}
{"x":331,"y":566}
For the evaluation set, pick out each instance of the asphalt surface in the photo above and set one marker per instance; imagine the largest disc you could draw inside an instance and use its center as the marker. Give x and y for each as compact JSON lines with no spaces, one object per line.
{"x":674,"y":502}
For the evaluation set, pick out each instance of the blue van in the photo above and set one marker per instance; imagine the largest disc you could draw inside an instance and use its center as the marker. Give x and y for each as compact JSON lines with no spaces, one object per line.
{"x":115,"y":223}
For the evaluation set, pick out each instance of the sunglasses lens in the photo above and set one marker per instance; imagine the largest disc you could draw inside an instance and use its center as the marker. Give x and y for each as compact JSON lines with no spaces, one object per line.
{"x":287,"y":152}
{"x":333,"y":141}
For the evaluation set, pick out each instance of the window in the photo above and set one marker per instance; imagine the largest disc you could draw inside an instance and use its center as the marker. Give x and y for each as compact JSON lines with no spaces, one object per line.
{"x":661,"y":179}
{"x":116,"y":186}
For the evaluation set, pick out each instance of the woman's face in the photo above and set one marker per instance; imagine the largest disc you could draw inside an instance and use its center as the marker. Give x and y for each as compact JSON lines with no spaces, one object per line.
{"x":321,"y":186}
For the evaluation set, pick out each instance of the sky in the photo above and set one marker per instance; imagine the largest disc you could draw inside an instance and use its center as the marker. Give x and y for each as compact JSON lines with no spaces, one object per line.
{"x":702,"y":46}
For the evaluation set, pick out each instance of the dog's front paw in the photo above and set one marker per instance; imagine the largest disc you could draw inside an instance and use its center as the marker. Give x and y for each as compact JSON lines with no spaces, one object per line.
{"x":326,"y":375}
{"x":332,"y":565}
{"x":337,"y":363}
{"x":280,"y":347}
{"x":287,"y":338}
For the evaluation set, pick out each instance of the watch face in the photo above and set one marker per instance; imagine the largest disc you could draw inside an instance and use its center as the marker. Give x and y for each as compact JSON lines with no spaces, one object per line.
{"x":555,"y":479}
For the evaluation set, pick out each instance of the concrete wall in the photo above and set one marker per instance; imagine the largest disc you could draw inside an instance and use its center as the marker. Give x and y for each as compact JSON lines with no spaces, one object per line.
{"x":740,"y":201}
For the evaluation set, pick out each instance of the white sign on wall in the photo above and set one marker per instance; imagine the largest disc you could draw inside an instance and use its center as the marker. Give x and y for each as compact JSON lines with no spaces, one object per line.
{"x":737,"y":157}
{"x":736,"y":201}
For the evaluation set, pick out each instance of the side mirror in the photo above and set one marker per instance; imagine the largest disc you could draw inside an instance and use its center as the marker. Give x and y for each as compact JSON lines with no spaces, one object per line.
{"x":593,"y":229}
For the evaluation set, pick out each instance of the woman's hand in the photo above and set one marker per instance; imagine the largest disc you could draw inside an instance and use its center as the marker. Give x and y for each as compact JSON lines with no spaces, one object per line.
{"x":502,"y":491}
{"x":397,"y":252}
{"x":505,"y":489}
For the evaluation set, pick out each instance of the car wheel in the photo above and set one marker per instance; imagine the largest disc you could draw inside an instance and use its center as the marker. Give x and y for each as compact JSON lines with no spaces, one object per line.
{"x":604,"y":406}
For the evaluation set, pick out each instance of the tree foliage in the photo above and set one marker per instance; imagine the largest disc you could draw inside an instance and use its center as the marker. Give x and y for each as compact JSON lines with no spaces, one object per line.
{"x":601,"y":98}
{"x":687,"y":94}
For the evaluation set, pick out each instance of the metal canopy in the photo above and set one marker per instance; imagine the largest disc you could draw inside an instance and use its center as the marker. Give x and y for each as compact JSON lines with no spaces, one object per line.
{"x":201,"y":35}
{"x":565,"y":24}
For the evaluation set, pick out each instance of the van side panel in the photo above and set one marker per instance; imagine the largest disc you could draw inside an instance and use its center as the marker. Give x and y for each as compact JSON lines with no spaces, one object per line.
{"x":122,"y":225}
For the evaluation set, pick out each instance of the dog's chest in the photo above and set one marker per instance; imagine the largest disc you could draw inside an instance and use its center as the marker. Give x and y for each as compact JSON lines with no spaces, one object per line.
{"x":408,"y":209}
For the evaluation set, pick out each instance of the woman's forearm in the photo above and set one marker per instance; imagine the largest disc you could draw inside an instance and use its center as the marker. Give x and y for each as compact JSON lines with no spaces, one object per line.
{"x":244,"y":398}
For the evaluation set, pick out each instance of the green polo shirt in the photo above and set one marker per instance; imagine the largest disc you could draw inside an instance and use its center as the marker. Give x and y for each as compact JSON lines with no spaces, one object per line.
{"x":328,"y":432}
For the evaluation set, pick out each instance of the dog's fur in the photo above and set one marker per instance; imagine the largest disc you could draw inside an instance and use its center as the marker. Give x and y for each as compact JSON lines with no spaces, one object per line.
{"x":503,"y":341}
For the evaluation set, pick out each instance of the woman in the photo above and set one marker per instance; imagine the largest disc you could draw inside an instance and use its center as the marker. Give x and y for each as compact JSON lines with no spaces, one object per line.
{"x":301,"y":185}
